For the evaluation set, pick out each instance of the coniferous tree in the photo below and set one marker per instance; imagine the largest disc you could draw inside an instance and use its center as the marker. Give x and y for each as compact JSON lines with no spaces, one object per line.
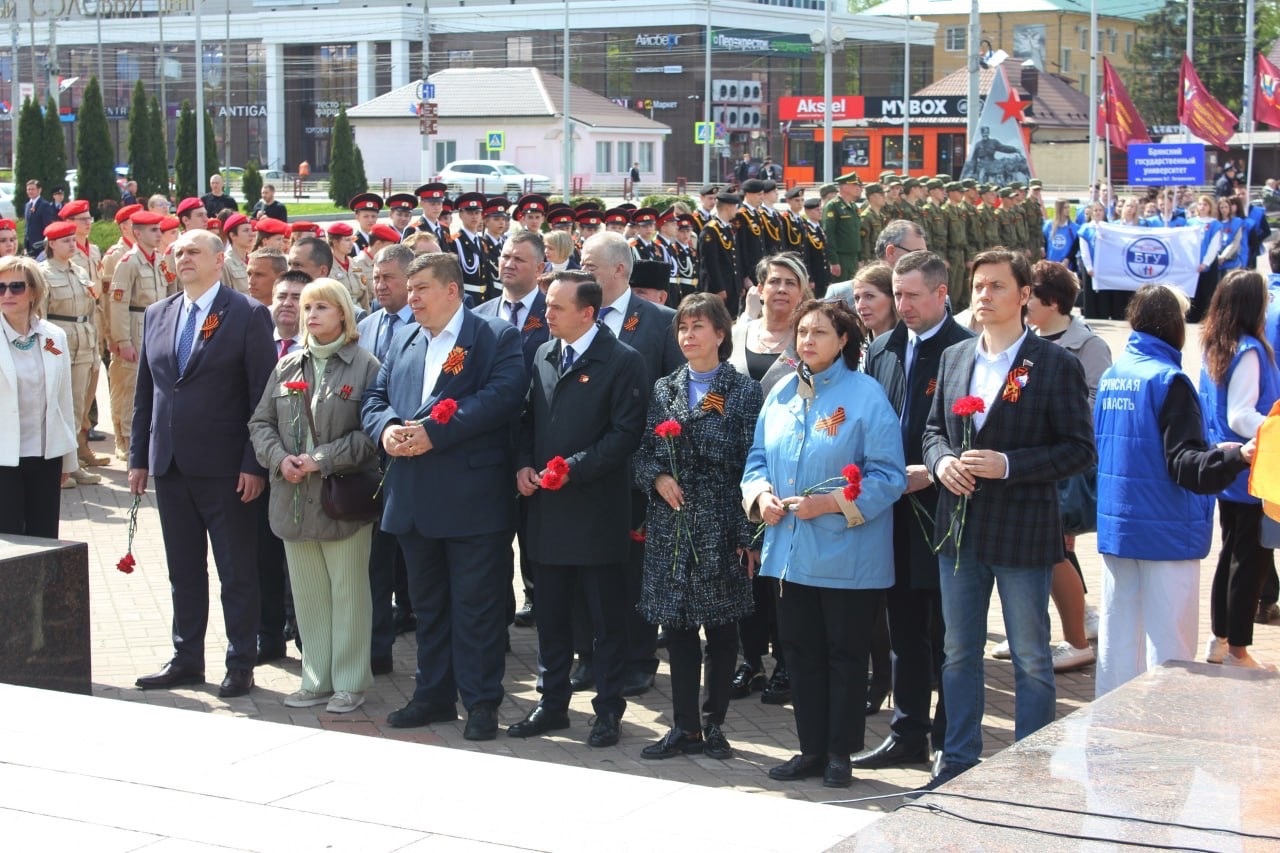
{"x":30,"y":151}
{"x":54,"y":169}
{"x":251,"y":186}
{"x":211,"y":166}
{"x":184,"y":159}
{"x":159,"y":159}
{"x":362,"y":180}
{"x":96,"y":176}
{"x":343,"y":180}
{"x":139,"y":148}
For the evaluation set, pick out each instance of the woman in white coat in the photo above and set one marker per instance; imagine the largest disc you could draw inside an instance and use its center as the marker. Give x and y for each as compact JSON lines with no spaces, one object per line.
{"x":37,"y":433}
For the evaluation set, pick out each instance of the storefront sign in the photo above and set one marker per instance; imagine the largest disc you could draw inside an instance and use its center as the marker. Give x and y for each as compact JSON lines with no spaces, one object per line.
{"x":1166,"y":164}
{"x":799,"y":108}
{"x":949,"y":107}
{"x":117,"y":113}
{"x":803,"y":108}
{"x":650,"y":104}
{"x":327,"y":109}
{"x":657,"y":40}
{"x":746,"y":41}
{"x":661,"y":69}
{"x":91,"y":9}
{"x":243,"y":111}
{"x":316,"y":131}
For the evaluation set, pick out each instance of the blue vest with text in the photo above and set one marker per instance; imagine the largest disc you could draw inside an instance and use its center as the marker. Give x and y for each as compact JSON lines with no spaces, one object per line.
{"x":1213,"y":400}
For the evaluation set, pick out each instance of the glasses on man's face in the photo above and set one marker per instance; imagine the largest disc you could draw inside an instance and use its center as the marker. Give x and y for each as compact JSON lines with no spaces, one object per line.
{"x":17,"y":288}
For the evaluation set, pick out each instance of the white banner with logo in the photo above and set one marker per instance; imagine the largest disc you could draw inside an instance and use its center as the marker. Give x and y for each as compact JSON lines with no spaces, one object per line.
{"x":1127,"y":257}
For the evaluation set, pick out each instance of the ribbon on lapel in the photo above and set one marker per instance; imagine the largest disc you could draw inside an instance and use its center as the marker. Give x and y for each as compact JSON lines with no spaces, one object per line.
{"x":713,"y":402}
{"x":831,"y":423}
{"x":1013,"y":385}
{"x":453,"y":364}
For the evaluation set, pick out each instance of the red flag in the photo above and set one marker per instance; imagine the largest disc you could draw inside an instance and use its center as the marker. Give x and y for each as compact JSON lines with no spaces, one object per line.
{"x":1200,"y":112}
{"x":1121,"y":116}
{"x":1266,"y":101}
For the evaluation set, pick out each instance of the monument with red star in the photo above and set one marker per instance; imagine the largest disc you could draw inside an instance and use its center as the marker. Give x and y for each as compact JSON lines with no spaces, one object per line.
{"x":998,"y":154}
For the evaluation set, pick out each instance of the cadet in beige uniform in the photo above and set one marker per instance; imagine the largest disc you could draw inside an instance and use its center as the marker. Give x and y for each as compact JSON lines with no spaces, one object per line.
{"x":88,"y":257}
{"x":341,"y":238}
{"x":137,"y":283}
{"x":69,"y":305}
{"x":239,"y":237}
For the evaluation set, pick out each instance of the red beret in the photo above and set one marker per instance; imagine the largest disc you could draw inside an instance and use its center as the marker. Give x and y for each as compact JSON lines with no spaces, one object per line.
{"x":58,"y":230}
{"x":8,"y":225}
{"x":146,"y":217}
{"x":233,"y":222}
{"x":73,"y":208}
{"x":340,"y":229}
{"x":127,"y":211}
{"x":302,"y":225}
{"x":384,"y":232}
{"x":189,"y":204}
{"x":267,"y":225}
{"x":169,"y":223}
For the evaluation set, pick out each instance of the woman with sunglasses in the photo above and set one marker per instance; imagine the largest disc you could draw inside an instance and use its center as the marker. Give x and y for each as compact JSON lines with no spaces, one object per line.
{"x":37,"y":434}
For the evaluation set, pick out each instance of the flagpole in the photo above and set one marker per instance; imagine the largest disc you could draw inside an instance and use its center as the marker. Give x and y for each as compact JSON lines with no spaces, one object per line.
{"x":1250,"y":92}
{"x":1093,"y":94}
{"x":1191,"y":31}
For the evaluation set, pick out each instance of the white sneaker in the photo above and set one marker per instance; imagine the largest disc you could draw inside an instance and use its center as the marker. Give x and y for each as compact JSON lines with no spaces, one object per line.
{"x":1002,"y":651}
{"x":1067,"y":657}
{"x":1091,"y":619}
{"x":1215,"y":649}
{"x":1246,"y":662}
{"x":344,"y":702}
{"x":305,"y":699}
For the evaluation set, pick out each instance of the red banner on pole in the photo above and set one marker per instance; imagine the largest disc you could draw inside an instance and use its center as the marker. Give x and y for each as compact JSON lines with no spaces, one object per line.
{"x":1118,"y":111}
{"x":1200,"y":112}
{"x":1266,"y":102}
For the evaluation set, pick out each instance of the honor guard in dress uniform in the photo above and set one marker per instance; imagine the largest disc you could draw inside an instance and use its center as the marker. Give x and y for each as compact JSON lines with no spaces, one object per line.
{"x":793,"y":228}
{"x":616,"y":219}
{"x":644,"y":221}
{"x":360,"y":282}
{"x":561,"y":217}
{"x":469,"y":248}
{"x":136,"y":284}
{"x":238,"y":231}
{"x":840,"y":219}
{"x":446,"y":219}
{"x":668,"y":241}
{"x":400,"y":207}
{"x":271,"y":234}
{"x":749,"y":232}
{"x":706,"y":205}
{"x":872,"y":220}
{"x":496,"y":222}
{"x":341,"y":237}
{"x":957,"y":246}
{"x":531,"y":212}
{"x":933,"y":220}
{"x":69,"y":304}
{"x":771,"y":220}
{"x":590,"y":221}
{"x":718,"y":255}
{"x":815,"y":247}
{"x":432,"y":197}
{"x":366,"y":207}
{"x":686,"y":248}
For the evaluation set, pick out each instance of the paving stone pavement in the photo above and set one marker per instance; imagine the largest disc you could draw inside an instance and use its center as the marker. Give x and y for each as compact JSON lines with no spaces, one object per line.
{"x":130,"y":637}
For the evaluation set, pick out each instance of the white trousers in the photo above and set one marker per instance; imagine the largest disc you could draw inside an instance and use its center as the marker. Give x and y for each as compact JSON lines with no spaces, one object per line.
{"x":1150,"y":614}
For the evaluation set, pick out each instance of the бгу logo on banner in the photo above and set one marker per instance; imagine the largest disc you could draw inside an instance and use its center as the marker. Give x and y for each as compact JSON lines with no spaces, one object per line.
{"x":1147,"y":258}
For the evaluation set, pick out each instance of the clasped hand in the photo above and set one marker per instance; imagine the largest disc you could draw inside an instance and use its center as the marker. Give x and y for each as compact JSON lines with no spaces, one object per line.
{"x":407,"y":439}
{"x":773,"y":509}
{"x":959,"y":474}
{"x":296,"y":468}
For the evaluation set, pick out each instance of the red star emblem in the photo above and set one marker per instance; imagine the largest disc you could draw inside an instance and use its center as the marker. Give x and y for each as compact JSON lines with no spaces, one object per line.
{"x":1012,"y":107}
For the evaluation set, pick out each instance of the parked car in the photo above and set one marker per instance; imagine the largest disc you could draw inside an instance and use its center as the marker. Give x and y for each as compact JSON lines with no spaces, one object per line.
{"x":276,"y":177}
{"x":7,"y":209}
{"x":499,"y":176}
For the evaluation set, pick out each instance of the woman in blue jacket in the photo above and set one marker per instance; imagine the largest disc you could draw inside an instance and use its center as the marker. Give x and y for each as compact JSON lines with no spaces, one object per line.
{"x":1060,"y":234}
{"x":1234,"y":241}
{"x":830,"y":551}
{"x":1210,"y":243}
{"x":1156,"y":475}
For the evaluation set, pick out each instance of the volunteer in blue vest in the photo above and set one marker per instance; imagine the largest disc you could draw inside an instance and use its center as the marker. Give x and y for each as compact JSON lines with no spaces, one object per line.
{"x":1210,"y":242}
{"x":1238,"y":384}
{"x":1060,"y":234}
{"x":1234,"y":232}
{"x":1156,"y":475}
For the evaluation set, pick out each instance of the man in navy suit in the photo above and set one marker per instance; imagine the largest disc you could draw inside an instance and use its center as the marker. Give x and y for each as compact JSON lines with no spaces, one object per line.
{"x":522,"y":305}
{"x":205,"y":359}
{"x":39,"y":212}
{"x":445,"y":487}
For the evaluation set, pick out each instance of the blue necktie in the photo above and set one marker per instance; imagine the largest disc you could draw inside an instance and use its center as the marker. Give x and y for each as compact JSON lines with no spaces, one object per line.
{"x":606,"y":311}
{"x":187,"y":339}
{"x":514,"y":308}
{"x":388,"y":332}
{"x":566,"y":359}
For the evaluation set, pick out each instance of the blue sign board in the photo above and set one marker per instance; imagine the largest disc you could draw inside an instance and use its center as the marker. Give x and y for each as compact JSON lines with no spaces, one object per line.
{"x":1165,"y":164}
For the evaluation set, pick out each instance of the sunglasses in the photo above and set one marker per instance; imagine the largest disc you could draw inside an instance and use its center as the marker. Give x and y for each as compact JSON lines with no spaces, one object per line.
{"x":17,"y":288}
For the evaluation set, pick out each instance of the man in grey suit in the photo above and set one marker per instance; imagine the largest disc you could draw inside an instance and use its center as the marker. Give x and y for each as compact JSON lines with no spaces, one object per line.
{"x":898,"y":238}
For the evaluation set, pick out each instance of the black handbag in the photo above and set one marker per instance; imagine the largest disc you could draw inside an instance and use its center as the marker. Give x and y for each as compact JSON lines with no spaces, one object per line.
{"x":347,"y":497}
{"x":1078,"y":502}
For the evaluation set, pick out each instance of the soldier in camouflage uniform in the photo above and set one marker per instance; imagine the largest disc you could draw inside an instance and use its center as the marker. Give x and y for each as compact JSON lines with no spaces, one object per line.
{"x":872,"y":221}
{"x":988,"y":219}
{"x":913,"y":195}
{"x":957,"y":246}
{"x":840,"y":219}
{"x":933,"y":220}
{"x":1035,"y":221}
{"x":1006,"y":216}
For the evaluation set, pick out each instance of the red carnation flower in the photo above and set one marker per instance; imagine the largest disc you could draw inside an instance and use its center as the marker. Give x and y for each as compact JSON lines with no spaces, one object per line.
{"x":667,"y":429}
{"x":553,"y":477}
{"x":852,"y":489}
{"x":558,"y":465}
{"x":967,"y":406}
{"x":296,"y":385}
{"x":127,"y":563}
{"x":852,"y":473}
{"x":638,"y":535}
{"x":444,"y":410}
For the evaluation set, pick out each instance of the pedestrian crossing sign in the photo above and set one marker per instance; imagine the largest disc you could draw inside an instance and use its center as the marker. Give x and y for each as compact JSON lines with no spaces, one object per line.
{"x":703,"y":132}
{"x":495,"y":140}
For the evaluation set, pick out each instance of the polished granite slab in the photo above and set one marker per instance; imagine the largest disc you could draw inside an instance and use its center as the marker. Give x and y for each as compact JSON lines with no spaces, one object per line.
{"x":44,"y":614}
{"x":83,"y":773}
{"x":1186,"y":757}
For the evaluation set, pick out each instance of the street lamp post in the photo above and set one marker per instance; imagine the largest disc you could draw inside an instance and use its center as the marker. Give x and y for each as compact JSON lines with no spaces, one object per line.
{"x":827,"y":40}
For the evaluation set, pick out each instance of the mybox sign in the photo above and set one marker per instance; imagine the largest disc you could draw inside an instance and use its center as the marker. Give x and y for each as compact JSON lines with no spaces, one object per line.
{"x":802,"y":108}
{"x":948,"y":107}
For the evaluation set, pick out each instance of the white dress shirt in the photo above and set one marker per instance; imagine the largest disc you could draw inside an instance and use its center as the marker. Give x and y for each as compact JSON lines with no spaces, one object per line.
{"x":526,"y":305}
{"x":581,"y":344}
{"x":28,"y":365}
{"x":990,"y":370}
{"x":617,"y":316}
{"x":913,"y":341}
{"x":202,"y":313}
{"x":438,"y":347}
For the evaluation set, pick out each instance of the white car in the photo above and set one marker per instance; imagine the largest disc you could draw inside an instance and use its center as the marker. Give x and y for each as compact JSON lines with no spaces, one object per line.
{"x":499,"y":177}
{"x":6,"y":202}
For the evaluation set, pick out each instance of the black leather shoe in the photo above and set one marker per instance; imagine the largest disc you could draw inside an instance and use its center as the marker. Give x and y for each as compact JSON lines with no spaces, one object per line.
{"x":778,"y":690}
{"x":269,"y":650}
{"x":605,"y":731}
{"x":945,"y":775}
{"x":525,"y":617}
{"x":662,"y":638}
{"x":237,"y":683}
{"x":746,"y":680}
{"x":892,"y":753}
{"x":539,"y":722}
{"x":1266,"y":613}
{"x":717,"y":745}
{"x":837,"y":775}
{"x":405,"y":622}
{"x":94,"y":435}
{"x":799,"y":767}
{"x":291,"y":632}
{"x":418,"y":713}
{"x":582,"y":678}
{"x":170,"y":675}
{"x":381,"y":666}
{"x":674,"y":743}
{"x":636,"y":683}
{"x":876,"y":694}
{"x":482,"y":722}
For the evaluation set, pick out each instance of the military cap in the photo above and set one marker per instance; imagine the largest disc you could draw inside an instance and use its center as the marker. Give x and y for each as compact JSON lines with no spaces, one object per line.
{"x":188,"y":204}
{"x":874,"y":188}
{"x":340,"y":229}
{"x":769,"y":186}
{"x":402,"y":201}
{"x":1035,"y":183}
{"x":651,"y":275}
{"x":59,"y":229}
{"x":795,"y":192}
{"x":617,"y":216}
{"x":709,"y":189}
{"x":531,"y":202}
{"x":496,"y":206}
{"x":668,"y":215}
{"x":811,"y":203}
{"x":267,"y":225}
{"x":1007,"y":192}
{"x":169,"y":223}
{"x":561,"y":216}
{"x":887,"y":173}
{"x":968,"y":183}
{"x":643,"y":216}
{"x":145,"y":217}
{"x":753,"y":185}
{"x":826,"y":189}
{"x":687,"y":222}
{"x":73,"y":208}
{"x":469,"y":201}
{"x":1015,"y":185}
{"x":233,"y":222}
{"x":590,"y":217}
{"x":446,"y":206}
{"x":910,"y":183}
{"x":385,"y":232}
{"x":628,"y":206}
{"x":728,"y":198}
{"x":127,"y":211}
{"x":432,"y":191}
{"x":366,"y":201}
{"x":954,"y":187}
{"x":586,"y":205}
{"x":946,"y":179}
{"x":851,"y":178}
{"x":986,"y":188}
{"x":934,"y":184}
{"x":893,"y":180}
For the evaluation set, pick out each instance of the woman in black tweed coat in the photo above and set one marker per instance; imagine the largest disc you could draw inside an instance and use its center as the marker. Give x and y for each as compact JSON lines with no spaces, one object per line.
{"x":698,"y":562}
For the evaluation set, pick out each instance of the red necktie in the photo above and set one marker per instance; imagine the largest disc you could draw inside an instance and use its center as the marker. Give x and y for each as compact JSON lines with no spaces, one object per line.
{"x":284,"y":347}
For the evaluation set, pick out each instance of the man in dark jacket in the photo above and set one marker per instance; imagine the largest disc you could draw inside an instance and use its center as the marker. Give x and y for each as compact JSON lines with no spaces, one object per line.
{"x":39,"y":213}
{"x":905,"y":362}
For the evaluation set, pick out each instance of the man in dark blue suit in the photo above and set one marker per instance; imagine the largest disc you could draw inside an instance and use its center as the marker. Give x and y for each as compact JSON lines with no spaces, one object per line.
{"x":205,"y":359}
{"x":445,"y":487}
{"x":522,"y":305}
{"x":38,"y":212}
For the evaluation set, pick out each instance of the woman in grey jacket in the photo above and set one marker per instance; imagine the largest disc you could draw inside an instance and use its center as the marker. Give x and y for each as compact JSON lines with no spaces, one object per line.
{"x":328,"y":559}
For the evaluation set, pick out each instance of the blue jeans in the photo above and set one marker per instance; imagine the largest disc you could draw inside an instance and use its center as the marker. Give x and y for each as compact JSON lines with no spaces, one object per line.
{"x":966,"y":597}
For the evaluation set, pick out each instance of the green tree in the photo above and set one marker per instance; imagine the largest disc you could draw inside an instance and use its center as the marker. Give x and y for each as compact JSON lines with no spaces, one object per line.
{"x":159,"y":159}
{"x":344,"y":181}
{"x":211,"y":166}
{"x":139,"y":148}
{"x":54,"y":169}
{"x":30,"y":150}
{"x":362,"y":179}
{"x":251,"y":184}
{"x":184,"y":160}
{"x":96,"y":177}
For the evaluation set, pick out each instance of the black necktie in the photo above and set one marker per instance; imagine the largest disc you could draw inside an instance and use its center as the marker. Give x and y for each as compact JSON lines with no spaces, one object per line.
{"x":514,"y":308}
{"x":913,"y":355}
{"x":384,"y":339}
{"x":566,"y":360}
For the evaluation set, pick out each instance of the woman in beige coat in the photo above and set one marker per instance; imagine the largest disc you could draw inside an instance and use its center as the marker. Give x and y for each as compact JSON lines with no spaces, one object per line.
{"x":328,"y":559}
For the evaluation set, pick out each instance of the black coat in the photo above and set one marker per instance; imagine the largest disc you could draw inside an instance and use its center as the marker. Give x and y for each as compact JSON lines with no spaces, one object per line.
{"x":592,"y":416}
{"x":648,"y":329}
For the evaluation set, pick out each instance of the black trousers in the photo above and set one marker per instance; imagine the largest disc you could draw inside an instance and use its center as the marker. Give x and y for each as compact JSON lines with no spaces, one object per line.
{"x":386,"y":564}
{"x":31,"y":497}
{"x":1112,"y":304}
{"x":1206,"y":284}
{"x":196,"y":512}
{"x":462,"y":630}
{"x":826,"y":634}
{"x":604,"y":589}
{"x":1243,"y":564}
{"x":759,"y":631}
{"x":916,"y":632}
{"x":881,"y":667}
{"x":685,"y":649}
{"x":272,"y":576}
